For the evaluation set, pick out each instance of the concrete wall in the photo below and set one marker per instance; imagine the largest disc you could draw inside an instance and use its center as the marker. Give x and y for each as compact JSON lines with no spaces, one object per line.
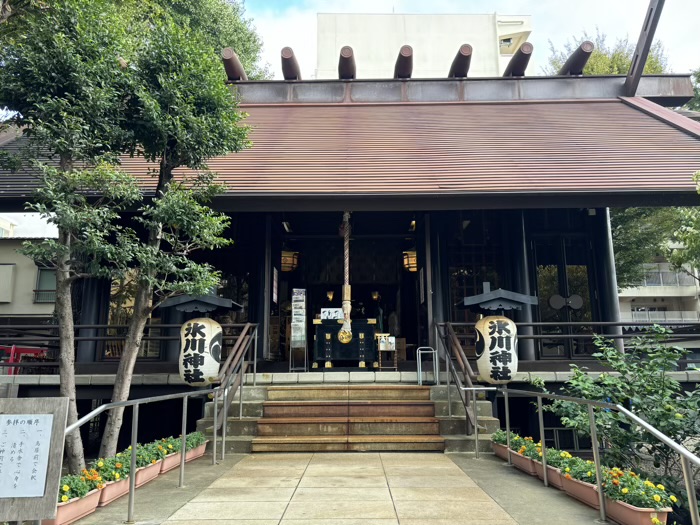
{"x":18,"y":280}
{"x":376,"y":40}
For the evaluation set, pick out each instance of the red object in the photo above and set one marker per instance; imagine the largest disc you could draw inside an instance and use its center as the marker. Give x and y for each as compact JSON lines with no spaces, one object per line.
{"x":16,"y":352}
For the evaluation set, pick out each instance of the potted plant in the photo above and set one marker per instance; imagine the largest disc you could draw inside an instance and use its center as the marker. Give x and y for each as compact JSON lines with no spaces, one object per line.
{"x":555,"y":459}
{"x":629,"y":500}
{"x":518,"y":456}
{"x":147,"y":463}
{"x":499,"y":443}
{"x":579,"y":480}
{"x":196,"y":444}
{"x":172,"y":456}
{"x":78,"y":496}
{"x":115,"y":474}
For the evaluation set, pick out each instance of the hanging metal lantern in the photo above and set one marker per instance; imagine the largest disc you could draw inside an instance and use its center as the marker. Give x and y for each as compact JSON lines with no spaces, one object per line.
{"x":410,"y":260}
{"x":290,"y":261}
{"x":496,"y":349}
{"x":200,"y":351}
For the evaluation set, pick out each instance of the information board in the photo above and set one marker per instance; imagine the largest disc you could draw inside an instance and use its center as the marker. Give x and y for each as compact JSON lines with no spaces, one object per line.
{"x":31,"y":453}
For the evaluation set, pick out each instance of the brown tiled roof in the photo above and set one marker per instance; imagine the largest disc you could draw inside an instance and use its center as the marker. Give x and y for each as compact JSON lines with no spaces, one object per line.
{"x":592,"y":147}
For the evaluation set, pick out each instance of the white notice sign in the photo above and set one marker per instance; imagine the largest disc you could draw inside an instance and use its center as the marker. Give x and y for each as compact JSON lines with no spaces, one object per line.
{"x":25,"y":442}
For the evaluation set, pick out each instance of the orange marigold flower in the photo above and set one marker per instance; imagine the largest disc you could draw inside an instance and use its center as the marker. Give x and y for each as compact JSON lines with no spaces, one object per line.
{"x":567,"y":476}
{"x":616,"y":482}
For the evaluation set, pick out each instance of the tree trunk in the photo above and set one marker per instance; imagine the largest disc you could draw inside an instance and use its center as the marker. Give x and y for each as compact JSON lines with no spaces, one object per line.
{"x":134,"y":335}
{"x":64,"y":311}
{"x":125,"y":372}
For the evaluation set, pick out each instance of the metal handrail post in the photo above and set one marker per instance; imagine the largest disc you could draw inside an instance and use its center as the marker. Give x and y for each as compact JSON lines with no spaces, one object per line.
{"x":596,"y":458}
{"x":183,"y":445}
{"x":449,"y":387}
{"x":507,"y":409}
{"x":543,"y":448}
{"x":216,"y":423}
{"x":690,"y":487}
{"x":224,"y":419}
{"x":476,"y":425}
{"x":255,"y":360}
{"x":240,"y":394}
{"x":132,"y":471}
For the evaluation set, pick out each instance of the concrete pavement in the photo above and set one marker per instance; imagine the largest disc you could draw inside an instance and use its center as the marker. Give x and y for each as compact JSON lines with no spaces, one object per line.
{"x":349,"y":489}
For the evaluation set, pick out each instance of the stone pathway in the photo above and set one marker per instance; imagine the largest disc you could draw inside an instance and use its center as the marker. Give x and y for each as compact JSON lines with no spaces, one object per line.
{"x":347,"y":489}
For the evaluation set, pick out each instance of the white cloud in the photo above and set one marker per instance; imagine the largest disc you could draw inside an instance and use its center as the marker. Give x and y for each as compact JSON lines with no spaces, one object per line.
{"x":293,"y":23}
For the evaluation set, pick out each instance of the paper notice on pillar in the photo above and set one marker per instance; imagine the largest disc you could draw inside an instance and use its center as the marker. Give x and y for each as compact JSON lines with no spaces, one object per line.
{"x":298,"y":295}
{"x":25,"y":443}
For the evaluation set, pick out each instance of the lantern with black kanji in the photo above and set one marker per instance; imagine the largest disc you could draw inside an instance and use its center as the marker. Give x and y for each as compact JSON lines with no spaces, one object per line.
{"x":200,"y":351}
{"x":496,"y":349}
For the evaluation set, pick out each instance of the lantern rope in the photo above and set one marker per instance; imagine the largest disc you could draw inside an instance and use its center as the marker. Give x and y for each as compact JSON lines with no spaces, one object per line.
{"x":345,"y":334}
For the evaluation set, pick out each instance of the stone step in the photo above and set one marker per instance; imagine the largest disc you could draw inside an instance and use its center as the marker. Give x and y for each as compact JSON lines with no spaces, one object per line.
{"x":341,"y":426}
{"x":236,"y":427}
{"x":464,"y":443}
{"x":233,"y":444}
{"x":347,"y":443}
{"x":484,"y":408}
{"x":250,"y":409}
{"x":347,"y":392}
{"x":356,"y":408}
{"x":456,"y":425}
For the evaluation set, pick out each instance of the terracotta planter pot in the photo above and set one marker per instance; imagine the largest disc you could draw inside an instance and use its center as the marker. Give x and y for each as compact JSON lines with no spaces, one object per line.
{"x":523,"y":463}
{"x":626,"y":514}
{"x":170,"y":462}
{"x":113,"y":490}
{"x":197,"y":452}
{"x":582,"y":491}
{"x":146,"y":474}
{"x":553,"y":475}
{"x":75,"y":509}
{"x":500,"y":450}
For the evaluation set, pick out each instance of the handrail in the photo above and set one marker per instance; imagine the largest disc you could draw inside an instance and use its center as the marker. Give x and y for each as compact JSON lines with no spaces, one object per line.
{"x":686,"y":456}
{"x":237,"y":364}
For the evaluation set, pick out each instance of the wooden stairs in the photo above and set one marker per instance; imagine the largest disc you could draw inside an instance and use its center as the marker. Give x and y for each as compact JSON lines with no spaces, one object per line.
{"x":348,"y":418}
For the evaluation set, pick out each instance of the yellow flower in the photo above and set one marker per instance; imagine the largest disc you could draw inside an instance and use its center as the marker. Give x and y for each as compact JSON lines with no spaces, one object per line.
{"x":589,"y":473}
{"x":64,"y":498}
{"x":625,"y":490}
{"x":100,"y":464}
{"x":656,"y":521}
{"x":657,"y":498}
{"x":117,"y":476}
{"x":567,"y":469}
{"x":170,"y":446}
{"x":153,"y":462}
{"x":100,"y":486}
{"x":674,"y":499}
{"x":649,"y":484}
{"x":118,"y":465}
{"x":660,"y":487}
{"x":119,"y":454}
{"x":66,"y":488}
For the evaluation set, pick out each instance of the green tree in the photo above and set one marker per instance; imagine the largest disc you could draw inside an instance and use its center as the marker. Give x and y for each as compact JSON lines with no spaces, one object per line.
{"x":62,"y":78}
{"x":608,"y":59}
{"x":181,"y":114}
{"x":639,"y":235}
{"x":694,"y":104}
{"x":221,"y":24}
{"x":684,"y":254}
{"x":639,"y":380}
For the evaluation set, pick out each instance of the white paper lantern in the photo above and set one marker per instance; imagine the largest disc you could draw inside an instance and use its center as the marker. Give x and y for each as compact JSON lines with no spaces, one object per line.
{"x":200,"y":351}
{"x":496,"y":349}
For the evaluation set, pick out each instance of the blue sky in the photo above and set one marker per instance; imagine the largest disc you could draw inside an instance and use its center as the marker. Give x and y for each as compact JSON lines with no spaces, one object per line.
{"x":293,"y":23}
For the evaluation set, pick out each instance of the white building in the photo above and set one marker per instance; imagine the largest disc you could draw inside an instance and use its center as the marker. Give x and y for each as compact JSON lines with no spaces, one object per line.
{"x":376,"y":40}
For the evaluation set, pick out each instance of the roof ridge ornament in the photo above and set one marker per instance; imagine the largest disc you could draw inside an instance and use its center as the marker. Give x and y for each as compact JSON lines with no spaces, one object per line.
{"x":290,"y":66}
{"x":462,"y":61}
{"x":577,"y":61}
{"x":232,"y":65}
{"x":404,"y":63}
{"x":346,"y":64}
{"x":518,"y":64}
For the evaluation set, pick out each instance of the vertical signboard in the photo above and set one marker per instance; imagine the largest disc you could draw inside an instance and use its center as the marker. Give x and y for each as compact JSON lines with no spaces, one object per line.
{"x":298,"y":329}
{"x":31,"y":452}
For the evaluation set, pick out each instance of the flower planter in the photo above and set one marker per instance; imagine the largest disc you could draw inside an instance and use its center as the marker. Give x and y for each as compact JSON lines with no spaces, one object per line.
{"x":523,"y":463}
{"x":626,"y":514}
{"x":113,"y":490}
{"x":75,"y":509}
{"x":553,"y":475}
{"x":500,"y":450}
{"x":582,"y":491}
{"x":196,"y":452}
{"x":170,"y":462}
{"x":146,"y":474}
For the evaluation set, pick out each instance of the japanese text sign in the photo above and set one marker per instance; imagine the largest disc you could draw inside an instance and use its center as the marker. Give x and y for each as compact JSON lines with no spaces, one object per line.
{"x":496,"y":349}
{"x":200,"y":351}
